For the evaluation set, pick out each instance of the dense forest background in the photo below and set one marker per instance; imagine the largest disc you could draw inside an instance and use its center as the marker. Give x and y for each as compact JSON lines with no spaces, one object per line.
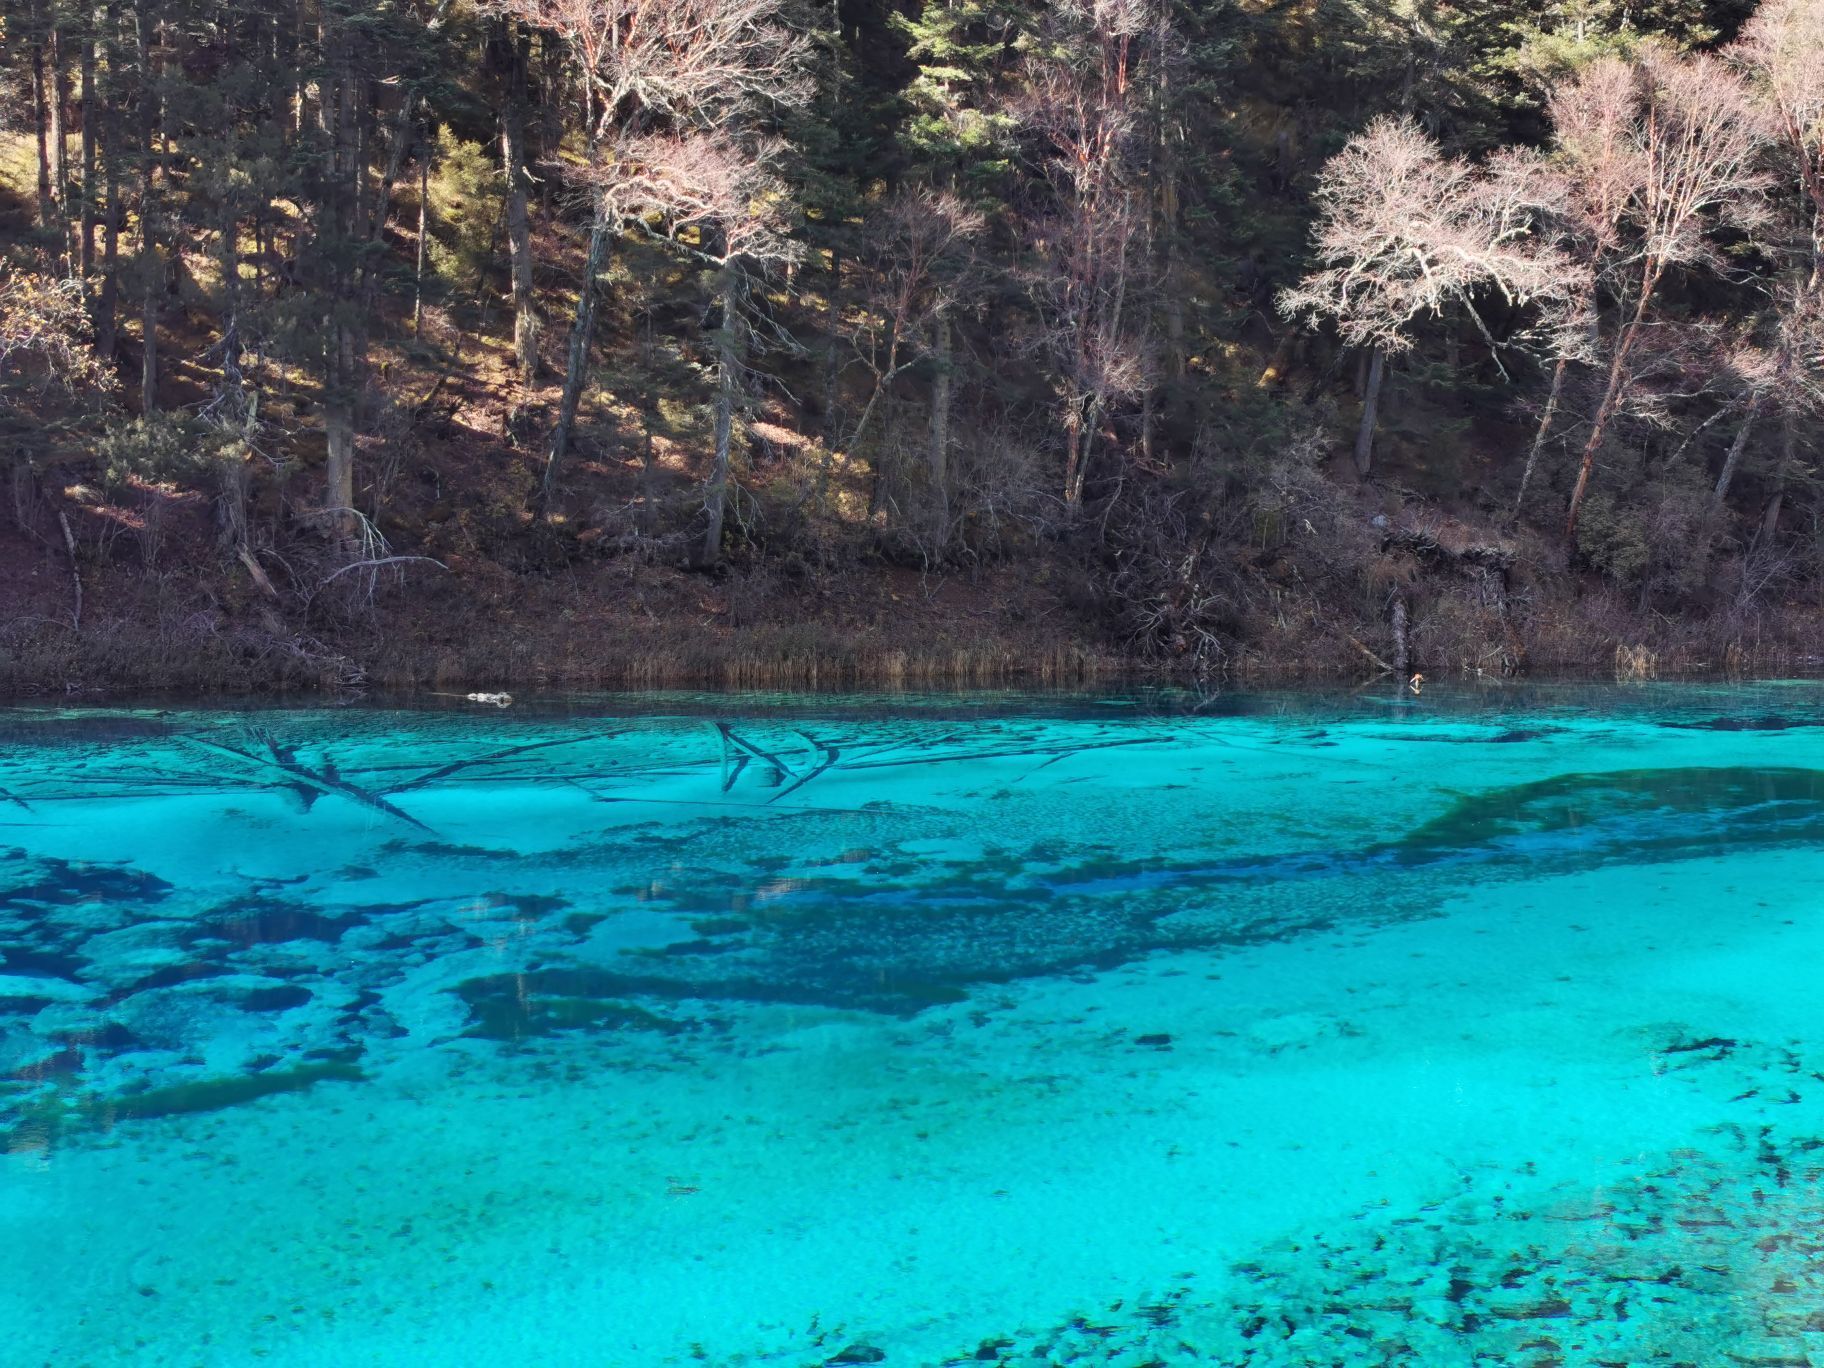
{"x":787,"y":341}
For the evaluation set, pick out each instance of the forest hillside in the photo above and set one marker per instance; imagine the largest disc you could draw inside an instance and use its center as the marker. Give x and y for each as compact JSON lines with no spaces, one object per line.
{"x":627,"y":342}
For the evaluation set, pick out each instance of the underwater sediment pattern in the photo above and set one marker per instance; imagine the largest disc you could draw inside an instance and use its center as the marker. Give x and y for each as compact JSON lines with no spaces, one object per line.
{"x":788,"y":1031}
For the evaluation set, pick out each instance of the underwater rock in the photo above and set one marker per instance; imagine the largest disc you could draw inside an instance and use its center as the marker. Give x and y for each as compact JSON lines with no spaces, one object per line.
{"x":53,"y":882}
{"x":24,"y":989}
{"x":21,"y":1050}
{"x":209,"y":1018}
{"x":90,"y":917}
{"x":280,"y":997}
{"x":128,"y":955}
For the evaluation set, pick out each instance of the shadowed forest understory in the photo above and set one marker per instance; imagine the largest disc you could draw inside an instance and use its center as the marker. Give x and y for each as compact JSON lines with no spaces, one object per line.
{"x":794,"y":342}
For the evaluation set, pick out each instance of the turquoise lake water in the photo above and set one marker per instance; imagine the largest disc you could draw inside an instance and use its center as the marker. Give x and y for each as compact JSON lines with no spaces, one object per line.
{"x":1471,"y":1028}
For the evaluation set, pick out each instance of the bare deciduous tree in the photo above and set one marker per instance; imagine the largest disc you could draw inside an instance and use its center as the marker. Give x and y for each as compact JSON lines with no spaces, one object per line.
{"x":915,"y":262}
{"x":1087,"y":102}
{"x":1405,"y":231}
{"x":1657,"y":154}
{"x":1782,"y":50}
{"x":1782,"y":47}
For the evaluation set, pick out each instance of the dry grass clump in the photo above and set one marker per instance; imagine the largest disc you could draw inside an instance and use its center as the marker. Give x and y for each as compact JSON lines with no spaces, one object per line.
{"x":1635,"y":664}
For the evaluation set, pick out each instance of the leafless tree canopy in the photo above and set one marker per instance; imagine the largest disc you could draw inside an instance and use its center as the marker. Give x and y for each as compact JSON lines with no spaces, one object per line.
{"x":1782,"y":49}
{"x":1405,"y":232}
{"x":649,"y":62}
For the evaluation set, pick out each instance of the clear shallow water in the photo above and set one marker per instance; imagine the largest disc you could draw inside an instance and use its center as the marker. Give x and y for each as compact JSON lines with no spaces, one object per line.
{"x":788,"y":1031}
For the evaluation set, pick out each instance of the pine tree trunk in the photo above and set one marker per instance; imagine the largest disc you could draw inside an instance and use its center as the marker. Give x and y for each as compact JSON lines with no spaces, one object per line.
{"x":939,"y":437}
{"x":289,"y":40}
{"x":60,"y":153}
{"x":551,"y":120}
{"x":41,"y":118}
{"x":107,"y":328}
{"x":336,"y":276}
{"x":1371,"y":402}
{"x":728,"y":387}
{"x":85,"y":246}
{"x":519,"y":228}
{"x":1149,"y":422}
{"x":149,"y":265}
{"x":424,"y":233}
{"x":59,"y":92}
{"x":339,"y":435}
{"x":832,"y":365}
{"x":582,"y":335}
{"x":229,"y":265}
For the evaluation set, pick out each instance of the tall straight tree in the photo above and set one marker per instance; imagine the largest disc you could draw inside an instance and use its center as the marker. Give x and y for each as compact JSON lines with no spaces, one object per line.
{"x":510,"y":56}
{"x":89,"y":113}
{"x":961,"y":141}
{"x":150,"y":266}
{"x":1087,"y":106}
{"x":373,"y":64}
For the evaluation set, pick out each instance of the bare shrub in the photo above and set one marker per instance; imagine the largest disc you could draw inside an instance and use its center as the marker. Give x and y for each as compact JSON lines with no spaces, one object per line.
{"x":151,"y":530}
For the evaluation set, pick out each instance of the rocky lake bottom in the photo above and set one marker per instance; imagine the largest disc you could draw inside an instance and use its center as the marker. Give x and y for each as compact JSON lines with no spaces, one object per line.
{"x":1471,"y":1028}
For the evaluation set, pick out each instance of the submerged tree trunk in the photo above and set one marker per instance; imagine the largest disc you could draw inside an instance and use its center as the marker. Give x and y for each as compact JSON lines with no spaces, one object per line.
{"x":576,"y":368}
{"x":1371,"y":401}
{"x":728,"y":384}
